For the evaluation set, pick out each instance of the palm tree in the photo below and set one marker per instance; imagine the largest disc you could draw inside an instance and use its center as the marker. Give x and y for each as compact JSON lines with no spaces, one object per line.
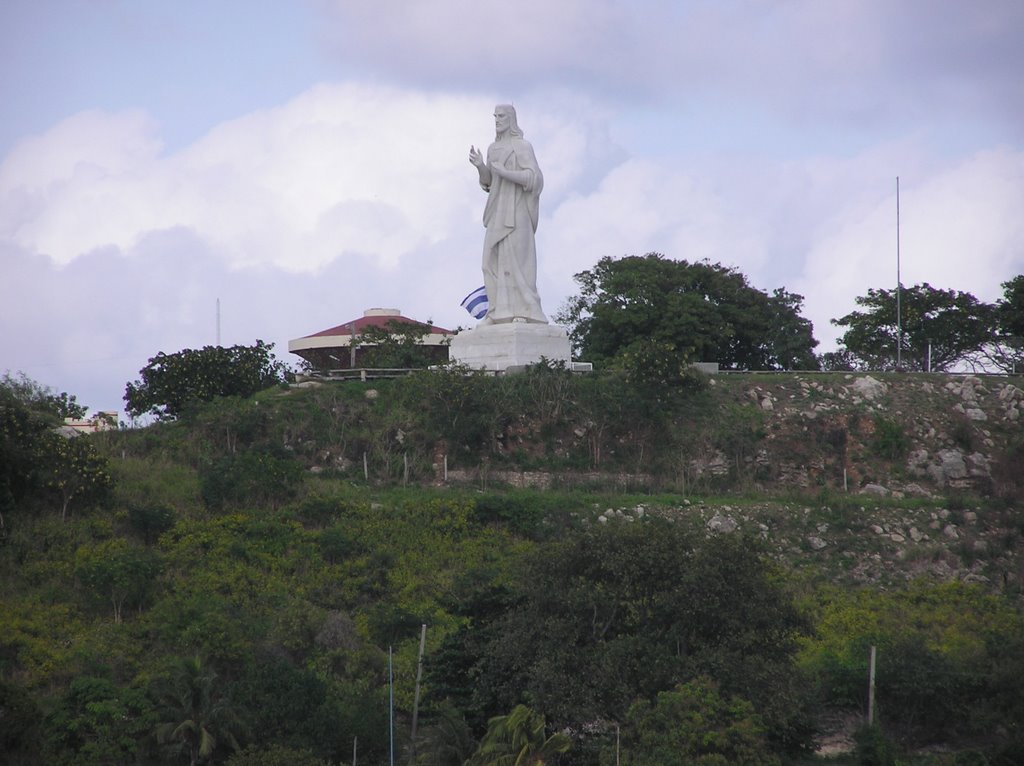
{"x":194,"y":716}
{"x":518,"y":739}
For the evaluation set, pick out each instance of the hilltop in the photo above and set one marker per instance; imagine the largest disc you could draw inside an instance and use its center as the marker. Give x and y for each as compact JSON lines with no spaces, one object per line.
{"x":749,"y":534}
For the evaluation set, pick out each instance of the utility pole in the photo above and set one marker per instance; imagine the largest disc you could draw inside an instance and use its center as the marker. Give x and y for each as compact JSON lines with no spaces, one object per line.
{"x":391,"y":707}
{"x":899,"y":285}
{"x":871,"y":687}
{"x":416,"y":695}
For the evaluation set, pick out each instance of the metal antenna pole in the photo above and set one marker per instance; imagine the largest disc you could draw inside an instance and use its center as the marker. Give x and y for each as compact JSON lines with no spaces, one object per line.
{"x":391,"y":706}
{"x":416,"y":695}
{"x":871,"y":687}
{"x":899,"y":286}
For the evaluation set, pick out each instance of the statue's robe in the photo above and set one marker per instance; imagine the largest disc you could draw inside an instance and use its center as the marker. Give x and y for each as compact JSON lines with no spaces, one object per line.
{"x":510,"y":249}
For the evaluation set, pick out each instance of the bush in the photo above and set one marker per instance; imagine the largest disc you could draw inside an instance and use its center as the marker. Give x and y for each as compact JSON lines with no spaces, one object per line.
{"x":250,"y":479}
{"x":873,"y":747}
{"x":890,"y":441}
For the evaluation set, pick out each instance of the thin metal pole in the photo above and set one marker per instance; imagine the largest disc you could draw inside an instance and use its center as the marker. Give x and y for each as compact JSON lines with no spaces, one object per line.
{"x":391,"y":707}
{"x":871,"y":688}
{"x":899,"y":286}
{"x":355,"y":747}
{"x":416,"y":695}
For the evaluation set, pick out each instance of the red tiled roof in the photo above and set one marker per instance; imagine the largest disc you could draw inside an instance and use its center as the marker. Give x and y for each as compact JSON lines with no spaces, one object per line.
{"x":377,"y":321}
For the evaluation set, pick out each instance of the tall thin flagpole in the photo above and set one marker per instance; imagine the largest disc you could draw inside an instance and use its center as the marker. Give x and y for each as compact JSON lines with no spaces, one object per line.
{"x":899,"y":286}
{"x":218,"y":321}
{"x":391,"y":706}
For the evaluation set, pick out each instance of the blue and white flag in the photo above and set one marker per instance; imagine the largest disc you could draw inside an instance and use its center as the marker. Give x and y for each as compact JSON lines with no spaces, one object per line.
{"x":476,"y":303}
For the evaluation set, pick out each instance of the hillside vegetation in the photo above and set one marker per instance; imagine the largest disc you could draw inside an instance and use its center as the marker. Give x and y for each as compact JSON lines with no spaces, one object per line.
{"x":699,"y":564}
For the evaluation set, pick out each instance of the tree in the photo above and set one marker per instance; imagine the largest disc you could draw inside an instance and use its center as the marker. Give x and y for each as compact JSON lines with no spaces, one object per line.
{"x":694,"y":724}
{"x":943,"y":326}
{"x":170,"y":383}
{"x":614,"y":612}
{"x":397,"y":345}
{"x":1007,"y":349}
{"x":74,"y":470}
{"x":194,"y":717}
{"x":275,"y":755}
{"x":518,"y":739}
{"x":20,"y":724}
{"x":34,"y":459}
{"x":118,"y":573}
{"x":701,"y":311}
{"x":41,"y":398}
{"x":99,"y":722}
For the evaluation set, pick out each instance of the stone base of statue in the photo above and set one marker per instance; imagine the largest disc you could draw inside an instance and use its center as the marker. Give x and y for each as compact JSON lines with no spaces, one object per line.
{"x":498,"y":347}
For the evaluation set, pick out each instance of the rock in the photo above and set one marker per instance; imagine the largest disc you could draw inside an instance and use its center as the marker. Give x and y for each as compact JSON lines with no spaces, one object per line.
{"x":874,"y":489}
{"x":951,"y":466}
{"x":869,"y":388}
{"x":767,"y":405}
{"x":977,"y":465}
{"x":372,"y":393}
{"x":916,"y":535}
{"x":980,"y":546}
{"x":816,"y":543}
{"x":877,"y":529}
{"x":602,"y":519}
{"x":974,"y":413}
{"x":897,"y":538}
{"x":723,"y":524}
{"x":970,"y":517}
{"x":917,"y":462}
{"x":950,"y":531}
{"x":1009,"y":392}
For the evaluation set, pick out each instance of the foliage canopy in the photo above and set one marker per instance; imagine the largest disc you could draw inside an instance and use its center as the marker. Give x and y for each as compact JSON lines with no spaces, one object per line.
{"x":696,"y":311}
{"x":943,"y":326}
{"x":170,"y":383}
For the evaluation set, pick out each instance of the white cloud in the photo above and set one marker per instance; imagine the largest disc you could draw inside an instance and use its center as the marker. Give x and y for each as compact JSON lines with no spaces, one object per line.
{"x":351,"y":196}
{"x":960,"y":228}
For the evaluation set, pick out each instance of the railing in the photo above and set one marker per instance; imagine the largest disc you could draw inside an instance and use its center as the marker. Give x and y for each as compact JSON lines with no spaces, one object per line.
{"x":359,"y":373}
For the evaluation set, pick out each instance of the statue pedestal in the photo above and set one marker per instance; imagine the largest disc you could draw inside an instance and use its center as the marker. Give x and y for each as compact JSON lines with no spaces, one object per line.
{"x":515,"y":344}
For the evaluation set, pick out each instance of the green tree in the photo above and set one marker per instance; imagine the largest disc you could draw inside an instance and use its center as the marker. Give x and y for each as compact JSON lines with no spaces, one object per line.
{"x":250,"y":478}
{"x":118,"y":573}
{"x":701,"y":311}
{"x":74,"y":470}
{"x":98,"y":722}
{"x":275,"y":755}
{"x":195,"y":718}
{"x":943,"y":326}
{"x":397,"y":345}
{"x":694,"y":724}
{"x":20,"y":725}
{"x":615,"y":612}
{"x":519,"y":739}
{"x":41,"y":398}
{"x":170,"y":383}
{"x":1007,"y":351}
{"x":33,"y":459}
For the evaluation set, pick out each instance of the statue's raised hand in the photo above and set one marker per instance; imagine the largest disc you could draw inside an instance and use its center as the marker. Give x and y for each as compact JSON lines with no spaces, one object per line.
{"x":476,"y":157}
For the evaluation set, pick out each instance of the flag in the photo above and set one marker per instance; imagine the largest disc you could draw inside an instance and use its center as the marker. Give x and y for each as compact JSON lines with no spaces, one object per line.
{"x":476,"y":303}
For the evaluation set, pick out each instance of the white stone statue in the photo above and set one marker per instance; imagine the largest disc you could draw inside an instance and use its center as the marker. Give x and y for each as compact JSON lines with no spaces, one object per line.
{"x":513,"y":182}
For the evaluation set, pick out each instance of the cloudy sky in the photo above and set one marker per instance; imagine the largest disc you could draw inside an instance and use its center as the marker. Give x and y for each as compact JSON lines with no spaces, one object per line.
{"x":301,"y":161}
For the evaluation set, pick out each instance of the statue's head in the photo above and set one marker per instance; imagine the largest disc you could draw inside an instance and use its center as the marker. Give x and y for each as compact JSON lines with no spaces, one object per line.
{"x":505,"y":120}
